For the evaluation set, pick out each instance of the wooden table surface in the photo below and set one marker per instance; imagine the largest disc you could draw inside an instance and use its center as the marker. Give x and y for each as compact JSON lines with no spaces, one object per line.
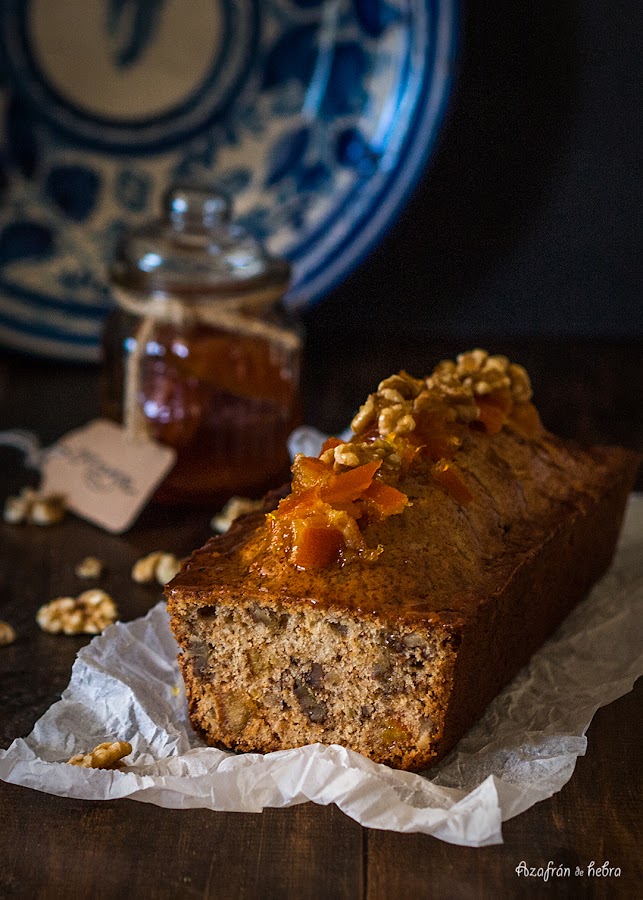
{"x":54,"y":847}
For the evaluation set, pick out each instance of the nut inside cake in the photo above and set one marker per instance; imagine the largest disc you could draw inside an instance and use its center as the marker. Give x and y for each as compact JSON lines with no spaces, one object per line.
{"x":269,"y":677}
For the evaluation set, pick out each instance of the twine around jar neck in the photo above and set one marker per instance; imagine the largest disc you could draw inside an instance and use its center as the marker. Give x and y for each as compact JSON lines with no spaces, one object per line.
{"x":233,"y":315}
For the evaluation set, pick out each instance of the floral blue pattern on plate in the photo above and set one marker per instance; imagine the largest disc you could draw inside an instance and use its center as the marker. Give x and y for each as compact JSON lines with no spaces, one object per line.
{"x":316,"y":115}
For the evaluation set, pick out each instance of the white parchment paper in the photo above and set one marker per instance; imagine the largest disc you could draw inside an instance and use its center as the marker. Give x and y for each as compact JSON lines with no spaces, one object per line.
{"x":126,"y":685}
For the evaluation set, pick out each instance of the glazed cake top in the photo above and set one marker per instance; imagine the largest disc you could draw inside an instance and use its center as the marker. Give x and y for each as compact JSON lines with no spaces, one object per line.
{"x":440,"y":558}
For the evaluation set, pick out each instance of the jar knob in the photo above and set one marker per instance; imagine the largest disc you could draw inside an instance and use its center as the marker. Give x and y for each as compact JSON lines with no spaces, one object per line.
{"x":189,"y":205}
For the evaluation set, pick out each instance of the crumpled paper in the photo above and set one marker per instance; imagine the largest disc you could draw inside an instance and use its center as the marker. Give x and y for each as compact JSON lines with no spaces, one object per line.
{"x":126,"y":685}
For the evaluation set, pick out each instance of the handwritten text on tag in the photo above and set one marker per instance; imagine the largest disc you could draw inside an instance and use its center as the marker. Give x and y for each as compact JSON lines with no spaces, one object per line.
{"x":104,"y":476}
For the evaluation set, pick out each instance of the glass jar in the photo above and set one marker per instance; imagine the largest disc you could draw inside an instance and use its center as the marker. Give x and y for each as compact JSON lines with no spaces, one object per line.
{"x":199,"y":354}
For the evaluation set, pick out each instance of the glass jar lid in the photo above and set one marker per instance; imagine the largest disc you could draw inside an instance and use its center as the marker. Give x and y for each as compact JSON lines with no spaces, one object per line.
{"x":195,"y":248}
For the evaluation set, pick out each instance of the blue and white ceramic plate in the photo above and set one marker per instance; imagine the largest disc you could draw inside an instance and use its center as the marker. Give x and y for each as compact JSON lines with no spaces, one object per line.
{"x":316,"y":115}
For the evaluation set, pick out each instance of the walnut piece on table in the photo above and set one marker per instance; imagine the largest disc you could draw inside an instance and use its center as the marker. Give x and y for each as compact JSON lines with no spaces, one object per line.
{"x":235,"y":507}
{"x":7,"y":634}
{"x":89,"y":613}
{"x":16,"y":509}
{"x":159,"y":566}
{"x":104,"y":756}
{"x":89,"y":567}
{"x":34,"y":508}
{"x":167,"y":567}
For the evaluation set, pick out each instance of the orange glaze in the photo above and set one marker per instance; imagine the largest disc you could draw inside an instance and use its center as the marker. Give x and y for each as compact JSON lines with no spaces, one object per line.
{"x":526,"y":420}
{"x":322,"y":521}
{"x":445,"y":474}
{"x":490,"y":416}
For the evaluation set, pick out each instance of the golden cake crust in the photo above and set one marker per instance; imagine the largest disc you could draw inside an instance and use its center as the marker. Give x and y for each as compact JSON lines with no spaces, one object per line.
{"x":439,"y":555}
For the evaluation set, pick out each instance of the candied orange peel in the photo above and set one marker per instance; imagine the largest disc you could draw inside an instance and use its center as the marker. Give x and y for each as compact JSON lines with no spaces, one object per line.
{"x":318,"y":521}
{"x":351,"y":483}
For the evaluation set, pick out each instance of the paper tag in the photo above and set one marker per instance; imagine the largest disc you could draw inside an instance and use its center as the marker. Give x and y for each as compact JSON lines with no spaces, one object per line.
{"x":104,"y":476}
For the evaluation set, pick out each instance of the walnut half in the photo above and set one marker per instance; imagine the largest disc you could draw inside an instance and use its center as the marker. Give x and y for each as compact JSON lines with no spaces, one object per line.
{"x":89,"y":613}
{"x":104,"y":756}
{"x":34,"y":508}
{"x":476,"y":373}
{"x":158,"y":566}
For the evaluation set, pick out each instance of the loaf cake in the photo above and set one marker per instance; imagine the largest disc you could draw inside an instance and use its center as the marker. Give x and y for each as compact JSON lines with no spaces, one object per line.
{"x":406,"y":576}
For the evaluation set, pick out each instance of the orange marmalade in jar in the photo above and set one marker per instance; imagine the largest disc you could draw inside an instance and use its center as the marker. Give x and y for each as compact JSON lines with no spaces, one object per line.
{"x":200,"y":354}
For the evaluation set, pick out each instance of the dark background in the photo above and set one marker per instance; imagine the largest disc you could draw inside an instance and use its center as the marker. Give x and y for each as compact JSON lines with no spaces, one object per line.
{"x":523,"y":236}
{"x":527,"y":221}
